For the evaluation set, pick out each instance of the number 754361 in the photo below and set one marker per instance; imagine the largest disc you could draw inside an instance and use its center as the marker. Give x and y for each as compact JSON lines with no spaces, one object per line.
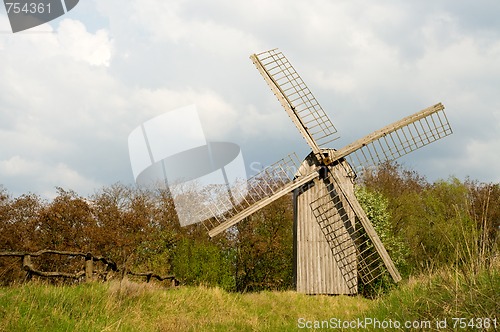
{"x":27,"y":8}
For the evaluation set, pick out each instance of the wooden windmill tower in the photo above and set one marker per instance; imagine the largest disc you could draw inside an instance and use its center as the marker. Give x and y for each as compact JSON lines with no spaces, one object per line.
{"x":335,"y":243}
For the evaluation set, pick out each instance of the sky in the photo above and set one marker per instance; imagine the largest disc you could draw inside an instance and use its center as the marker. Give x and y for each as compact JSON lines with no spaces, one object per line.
{"x":72,"y":90}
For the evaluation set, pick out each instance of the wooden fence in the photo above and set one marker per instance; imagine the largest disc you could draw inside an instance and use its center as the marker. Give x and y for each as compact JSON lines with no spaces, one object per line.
{"x":88,"y":273}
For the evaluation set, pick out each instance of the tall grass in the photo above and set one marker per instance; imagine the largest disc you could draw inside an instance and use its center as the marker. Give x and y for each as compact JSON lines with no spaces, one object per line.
{"x":445,"y":294}
{"x":129,"y":306}
{"x":468,"y":289}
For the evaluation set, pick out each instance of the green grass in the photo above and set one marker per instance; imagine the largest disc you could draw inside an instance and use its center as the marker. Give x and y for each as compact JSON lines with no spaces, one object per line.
{"x":142,"y":307}
{"x":447,"y":294}
{"x":130,"y":306}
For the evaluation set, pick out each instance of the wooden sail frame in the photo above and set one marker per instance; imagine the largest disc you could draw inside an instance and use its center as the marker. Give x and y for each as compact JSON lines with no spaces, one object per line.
{"x":365,"y":253}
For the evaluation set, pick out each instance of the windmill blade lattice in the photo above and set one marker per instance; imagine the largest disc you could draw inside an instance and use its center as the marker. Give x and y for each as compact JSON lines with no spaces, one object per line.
{"x":399,"y":138}
{"x":295,"y":96}
{"x":345,"y":249}
{"x":355,"y":245}
{"x":260,"y":190}
{"x":332,"y":213}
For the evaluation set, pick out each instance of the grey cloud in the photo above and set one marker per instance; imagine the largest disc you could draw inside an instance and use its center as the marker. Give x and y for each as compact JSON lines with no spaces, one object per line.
{"x":366,"y":72}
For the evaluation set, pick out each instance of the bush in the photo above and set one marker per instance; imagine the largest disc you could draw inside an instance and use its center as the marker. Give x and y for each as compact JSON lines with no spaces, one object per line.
{"x":201,"y":262}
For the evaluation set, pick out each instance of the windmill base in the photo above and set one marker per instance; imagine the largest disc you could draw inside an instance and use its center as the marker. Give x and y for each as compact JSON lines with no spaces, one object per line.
{"x":316,"y":270}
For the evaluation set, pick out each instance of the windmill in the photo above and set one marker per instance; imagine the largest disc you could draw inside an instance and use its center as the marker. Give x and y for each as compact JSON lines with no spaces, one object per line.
{"x":336,"y":245}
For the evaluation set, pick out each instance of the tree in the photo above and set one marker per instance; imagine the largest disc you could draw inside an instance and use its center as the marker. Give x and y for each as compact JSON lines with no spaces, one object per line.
{"x":439,"y":222}
{"x":484,"y":210}
{"x":17,"y":231}
{"x":376,"y":208}
{"x":198,"y":262}
{"x":18,"y":223}
{"x":265,"y":248}
{"x":63,"y":224}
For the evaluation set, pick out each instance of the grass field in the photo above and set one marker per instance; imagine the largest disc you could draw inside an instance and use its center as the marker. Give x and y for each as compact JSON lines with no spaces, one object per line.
{"x":129,"y":306}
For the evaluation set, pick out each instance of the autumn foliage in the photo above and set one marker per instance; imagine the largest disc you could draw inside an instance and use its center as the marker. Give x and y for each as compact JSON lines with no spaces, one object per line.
{"x":425,"y":225}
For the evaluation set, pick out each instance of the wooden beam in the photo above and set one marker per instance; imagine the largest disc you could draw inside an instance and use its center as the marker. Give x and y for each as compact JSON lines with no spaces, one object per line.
{"x":263,"y":202}
{"x":89,"y":268}
{"x":370,"y":231}
{"x":104,"y":260}
{"x":287,"y":105}
{"x":386,"y":130}
{"x":150,"y":275}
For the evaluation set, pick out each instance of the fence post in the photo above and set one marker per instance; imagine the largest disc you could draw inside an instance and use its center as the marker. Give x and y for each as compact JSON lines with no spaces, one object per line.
{"x":89,"y":268}
{"x":27,"y":267}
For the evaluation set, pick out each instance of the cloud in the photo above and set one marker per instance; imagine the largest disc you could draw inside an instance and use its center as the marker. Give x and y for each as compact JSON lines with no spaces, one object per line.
{"x":75,"y":41}
{"x":68,"y":116}
{"x":46,"y":106}
{"x":483,"y":157}
{"x":16,"y":166}
{"x":70,"y":97}
{"x":42,"y":178}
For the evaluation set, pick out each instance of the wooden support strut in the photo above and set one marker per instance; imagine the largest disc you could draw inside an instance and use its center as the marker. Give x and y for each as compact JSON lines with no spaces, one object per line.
{"x":89,"y":268}
{"x":87,"y":272}
{"x":287,"y":105}
{"x":263,"y":202}
{"x":386,"y":130}
{"x":370,"y":231}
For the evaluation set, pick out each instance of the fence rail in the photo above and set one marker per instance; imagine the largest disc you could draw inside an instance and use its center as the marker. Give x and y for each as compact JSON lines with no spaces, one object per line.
{"x":88,"y":271}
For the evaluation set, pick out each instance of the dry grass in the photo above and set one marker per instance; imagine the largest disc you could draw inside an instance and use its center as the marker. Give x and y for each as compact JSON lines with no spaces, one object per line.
{"x":131,"y":306}
{"x":450,"y":292}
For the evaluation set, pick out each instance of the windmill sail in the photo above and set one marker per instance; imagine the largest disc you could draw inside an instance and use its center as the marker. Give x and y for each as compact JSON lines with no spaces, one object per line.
{"x":398,"y":139}
{"x":323,"y":185}
{"x":355,"y":245}
{"x":296,"y":98}
{"x":262,"y":189}
{"x":335,"y":219}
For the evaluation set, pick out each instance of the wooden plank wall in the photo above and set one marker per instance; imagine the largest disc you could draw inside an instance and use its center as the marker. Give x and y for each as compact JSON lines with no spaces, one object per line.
{"x":316,"y":271}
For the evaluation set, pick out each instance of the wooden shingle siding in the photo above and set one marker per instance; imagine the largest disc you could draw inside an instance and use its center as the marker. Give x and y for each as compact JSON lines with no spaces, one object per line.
{"x":316,"y":269}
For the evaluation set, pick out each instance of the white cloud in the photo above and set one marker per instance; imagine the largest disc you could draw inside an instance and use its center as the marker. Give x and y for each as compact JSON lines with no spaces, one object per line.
{"x":69,"y":99}
{"x":169,"y":22}
{"x":483,"y":156}
{"x":17,"y":166}
{"x":75,"y":41}
{"x":43,"y":177}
